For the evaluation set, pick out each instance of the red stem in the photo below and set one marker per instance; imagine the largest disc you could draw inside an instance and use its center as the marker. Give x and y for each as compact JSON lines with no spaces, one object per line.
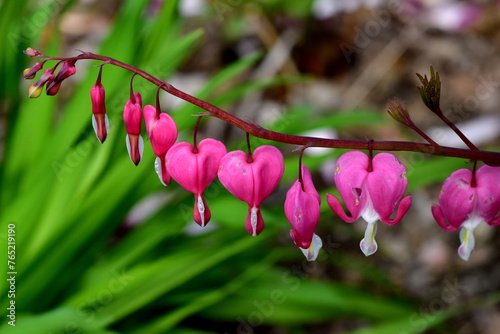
{"x":300,"y":167}
{"x":457,"y":131}
{"x":370,"y":156}
{"x":132,"y":96}
{"x":490,"y":158}
{"x":249,"y":150}
{"x":196,"y":126}
{"x":473,"y":182}
{"x":158,"y":109}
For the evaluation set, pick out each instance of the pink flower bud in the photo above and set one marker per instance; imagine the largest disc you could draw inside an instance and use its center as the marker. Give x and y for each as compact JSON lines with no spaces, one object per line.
{"x":194,"y":170}
{"x":302,"y":209}
{"x":100,"y":120}
{"x":36,"y":88}
{"x":30,"y":72}
{"x":253,"y":181}
{"x":150,"y":118}
{"x":466,"y":206}
{"x":162,"y":134}
{"x":373,"y":195}
{"x":132,"y":116}
{"x":32,"y":52}
{"x":67,"y":70}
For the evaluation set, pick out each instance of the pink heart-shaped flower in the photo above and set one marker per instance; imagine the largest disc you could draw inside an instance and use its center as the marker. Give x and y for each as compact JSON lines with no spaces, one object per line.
{"x":195,"y":169}
{"x":252,"y":179}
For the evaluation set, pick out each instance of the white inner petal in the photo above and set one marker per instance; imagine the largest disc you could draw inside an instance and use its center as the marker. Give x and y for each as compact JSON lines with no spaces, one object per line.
{"x":106,"y":122}
{"x":467,"y":243}
{"x":201,"y":210}
{"x":369,"y":214}
{"x":253,"y":220}
{"x":311,"y":253}
{"x":158,"y":170}
{"x":94,"y":125}
{"x":127,"y":141}
{"x":368,"y":245}
{"x":141,"y":146}
{"x":472,"y":222}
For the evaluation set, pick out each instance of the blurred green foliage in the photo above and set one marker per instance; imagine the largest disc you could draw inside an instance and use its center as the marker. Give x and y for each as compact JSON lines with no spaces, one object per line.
{"x":69,"y":197}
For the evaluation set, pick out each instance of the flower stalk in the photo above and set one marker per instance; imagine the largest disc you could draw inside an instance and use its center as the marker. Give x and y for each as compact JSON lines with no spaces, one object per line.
{"x":488,"y":157}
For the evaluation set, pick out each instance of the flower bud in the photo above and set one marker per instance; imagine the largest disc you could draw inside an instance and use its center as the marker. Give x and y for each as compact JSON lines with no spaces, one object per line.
{"x":36,"y":88}
{"x":132,"y":116}
{"x":34,"y":91}
{"x":100,"y":120}
{"x":32,"y":52}
{"x":302,"y":209}
{"x":162,"y":133}
{"x":30,"y":72}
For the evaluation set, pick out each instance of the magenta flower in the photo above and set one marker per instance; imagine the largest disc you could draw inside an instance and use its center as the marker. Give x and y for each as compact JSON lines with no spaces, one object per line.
{"x":194,"y":169}
{"x":252,"y":179}
{"x":100,"y":120}
{"x":302,"y":211}
{"x":132,"y":116}
{"x":373,"y":194}
{"x":162,"y":133}
{"x":462,"y":204}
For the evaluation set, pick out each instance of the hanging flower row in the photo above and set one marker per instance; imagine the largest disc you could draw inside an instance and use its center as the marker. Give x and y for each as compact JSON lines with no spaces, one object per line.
{"x":371,"y":187}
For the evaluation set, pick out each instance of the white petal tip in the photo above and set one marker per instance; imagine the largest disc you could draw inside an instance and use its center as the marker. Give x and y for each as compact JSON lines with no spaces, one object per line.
{"x":253,"y":221}
{"x":368,"y":248}
{"x":201,"y":210}
{"x":312,"y":252}
{"x":467,"y":243}
{"x":368,"y":245}
{"x":158,"y":170}
{"x":94,"y":125}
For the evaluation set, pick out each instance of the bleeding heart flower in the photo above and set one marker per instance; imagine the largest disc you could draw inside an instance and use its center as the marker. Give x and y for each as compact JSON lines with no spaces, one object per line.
{"x":132,"y":116}
{"x":194,"y":169}
{"x":252,"y":179}
{"x":162,"y":134}
{"x":100,"y":120}
{"x":464,"y":205}
{"x":302,"y":211}
{"x":371,"y":194}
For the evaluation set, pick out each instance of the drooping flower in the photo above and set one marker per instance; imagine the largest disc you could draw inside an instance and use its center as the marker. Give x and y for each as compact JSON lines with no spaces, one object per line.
{"x":132,"y":116}
{"x":100,"y":120}
{"x":302,"y":211}
{"x":252,"y":179}
{"x":194,"y":169}
{"x":464,"y":204}
{"x":372,"y":194}
{"x":162,"y":133}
